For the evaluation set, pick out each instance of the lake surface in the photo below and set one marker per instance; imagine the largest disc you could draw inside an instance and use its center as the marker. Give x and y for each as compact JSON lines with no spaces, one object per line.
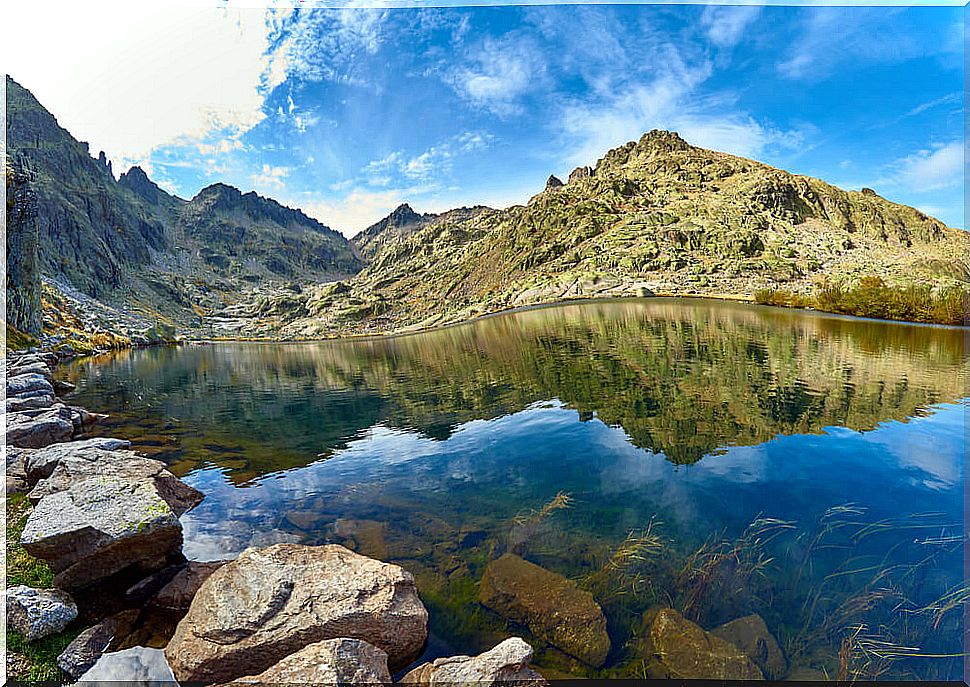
{"x":721,"y":458}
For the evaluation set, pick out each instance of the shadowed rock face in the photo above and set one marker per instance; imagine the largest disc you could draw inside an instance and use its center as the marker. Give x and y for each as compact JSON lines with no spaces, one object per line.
{"x":272,"y":602}
{"x":129,"y":241}
{"x":554,"y":608}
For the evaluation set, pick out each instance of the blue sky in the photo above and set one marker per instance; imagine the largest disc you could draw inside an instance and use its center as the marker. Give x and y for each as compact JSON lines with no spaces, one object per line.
{"x":348,"y":112}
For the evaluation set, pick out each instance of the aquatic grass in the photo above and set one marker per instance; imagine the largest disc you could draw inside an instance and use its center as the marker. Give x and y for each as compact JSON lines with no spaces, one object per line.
{"x":720,"y":573}
{"x":628,"y":569}
{"x":526,"y":525}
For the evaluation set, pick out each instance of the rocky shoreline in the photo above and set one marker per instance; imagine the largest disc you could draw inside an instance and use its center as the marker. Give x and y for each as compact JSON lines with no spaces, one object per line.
{"x":106,"y":521}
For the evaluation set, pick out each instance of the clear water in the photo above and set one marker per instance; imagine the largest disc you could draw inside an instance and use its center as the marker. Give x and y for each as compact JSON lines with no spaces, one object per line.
{"x":690,"y":419}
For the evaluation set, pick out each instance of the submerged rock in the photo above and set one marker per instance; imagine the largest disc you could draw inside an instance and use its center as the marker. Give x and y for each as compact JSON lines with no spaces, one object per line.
{"x":554,"y":608}
{"x":751,"y":635}
{"x":82,"y":653}
{"x":272,"y":602}
{"x":506,"y":663}
{"x":685,"y":651}
{"x":99,"y":527}
{"x":341,"y":661}
{"x":135,"y":666}
{"x":37,"y":613}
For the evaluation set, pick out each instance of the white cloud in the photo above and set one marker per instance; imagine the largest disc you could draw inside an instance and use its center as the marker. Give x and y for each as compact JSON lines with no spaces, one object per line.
{"x":932,"y":169}
{"x":270,"y":177}
{"x":725,"y":26}
{"x":129,"y":77}
{"x":434,"y":163}
{"x":500,"y":72}
{"x":356,"y":210}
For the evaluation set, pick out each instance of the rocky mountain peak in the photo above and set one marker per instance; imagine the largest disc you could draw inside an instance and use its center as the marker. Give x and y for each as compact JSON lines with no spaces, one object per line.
{"x":137,"y":181}
{"x":553,"y":182}
{"x":403,"y":214}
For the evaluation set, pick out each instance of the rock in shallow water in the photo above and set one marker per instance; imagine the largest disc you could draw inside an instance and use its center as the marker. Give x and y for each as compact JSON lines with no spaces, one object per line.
{"x":37,"y":613}
{"x":554,"y":608}
{"x":341,"y":661}
{"x":272,"y":602}
{"x":751,"y":635}
{"x":506,"y":663}
{"x":685,"y":651}
{"x":179,"y":592}
{"x":101,"y":526}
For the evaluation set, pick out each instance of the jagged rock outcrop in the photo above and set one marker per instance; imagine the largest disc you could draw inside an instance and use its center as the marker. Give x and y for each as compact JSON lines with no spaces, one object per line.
{"x":271,"y":602}
{"x":130,"y":241}
{"x":23,"y":275}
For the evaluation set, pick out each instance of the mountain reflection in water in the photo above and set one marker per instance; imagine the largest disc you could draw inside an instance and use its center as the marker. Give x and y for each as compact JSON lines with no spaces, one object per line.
{"x":692,"y":418}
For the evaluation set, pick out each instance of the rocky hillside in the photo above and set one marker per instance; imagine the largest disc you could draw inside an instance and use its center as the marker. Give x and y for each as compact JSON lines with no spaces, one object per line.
{"x":130,"y":244}
{"x":652,"y":216}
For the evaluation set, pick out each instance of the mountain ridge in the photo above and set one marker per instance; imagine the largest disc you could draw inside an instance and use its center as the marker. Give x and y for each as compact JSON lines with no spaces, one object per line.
{"x":655,"y":215}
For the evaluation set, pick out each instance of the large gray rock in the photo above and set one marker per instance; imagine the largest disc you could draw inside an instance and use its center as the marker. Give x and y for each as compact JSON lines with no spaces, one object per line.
{"x":40,"y":463}
{"x":554,"y":608}
{"x":272,"y":602}
{"x":684,"y":651}
{"x":342,"y":661}
{"x":37,"y":613}
{"x":506,"y":663}
{"x":45,"y":429}
{"x":31,"y":381}
{"x":35,"y":367}
{"x":135,"y":666}
{"x":81,"y":654}
{"x":18,"y":404}
{"x":101,"y":526}
{"x":751,"y":635}
{"x":83,"y":464}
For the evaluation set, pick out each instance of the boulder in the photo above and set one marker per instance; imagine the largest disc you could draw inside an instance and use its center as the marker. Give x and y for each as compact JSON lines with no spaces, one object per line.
{"x":62,"y":386}
{"x":37,"y":613}
{"x":37,"y":432}
{"x":341,"y":661}
{"x":552,"y":607}
{"x":35,"y":367}
{"x":750,"y":634}
{"x":86,"y":463}
{"x":101,"y":526}
{"x":80,"y":655}
{"x":135,"y":666}
{"x":272,"y":602}
{"x":19,"y":404}
{"x":685,"y":651}
{"x":32,"y":381}
{"x":179,"y":592}
{"x":506,"y":663}
{"x":40,"y":463}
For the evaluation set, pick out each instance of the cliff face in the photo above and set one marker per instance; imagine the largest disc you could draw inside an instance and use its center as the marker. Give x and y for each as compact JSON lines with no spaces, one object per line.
{"x":129,"y":243}
{"x":655,"y":215}
{"x":23,"y":277}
